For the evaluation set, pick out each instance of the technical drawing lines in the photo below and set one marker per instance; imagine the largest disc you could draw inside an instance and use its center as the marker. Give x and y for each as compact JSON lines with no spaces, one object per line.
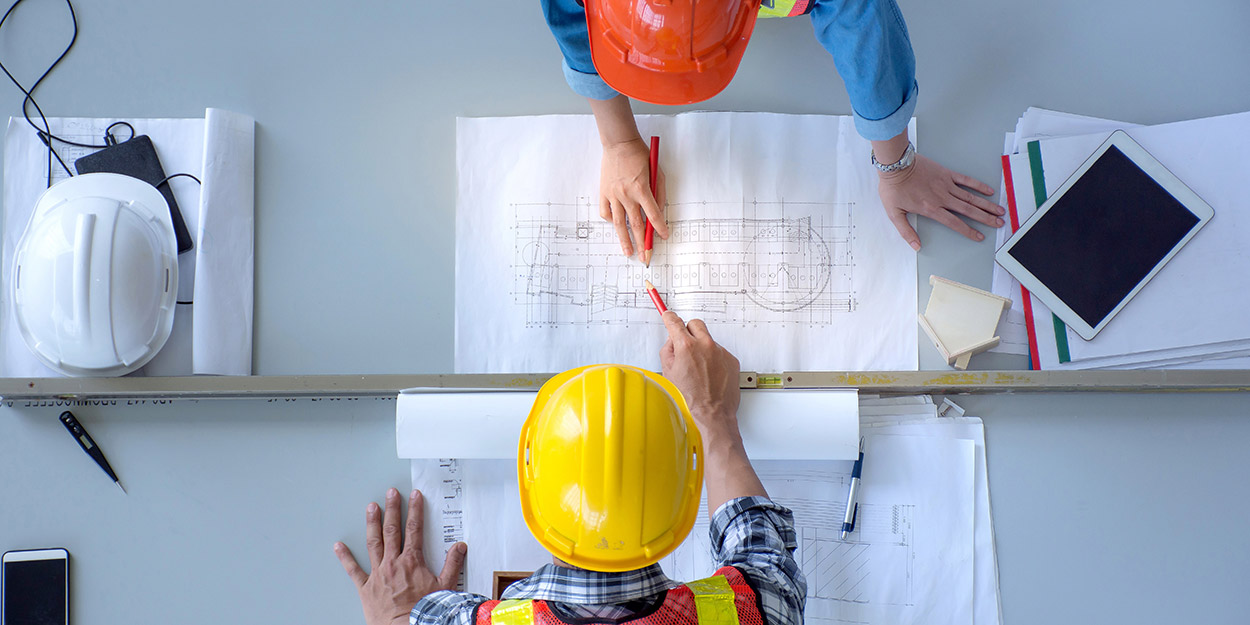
{"x":760,"y":262}
{"x":839,"y":570}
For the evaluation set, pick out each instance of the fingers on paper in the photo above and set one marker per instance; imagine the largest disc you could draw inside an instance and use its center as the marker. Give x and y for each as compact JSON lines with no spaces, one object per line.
{"x":414,"y":532}
{"x":622,"y":230}
{"x":948,"y":219}
{"x":637,"y":225}
{"x":899,"y":219}
{"x":357,"y":574}
{"x":452,"y":566}
{"x":657,"y":217}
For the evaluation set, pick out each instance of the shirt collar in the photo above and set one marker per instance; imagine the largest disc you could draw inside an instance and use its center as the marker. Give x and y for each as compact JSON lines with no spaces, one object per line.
{"x":580,"y":586}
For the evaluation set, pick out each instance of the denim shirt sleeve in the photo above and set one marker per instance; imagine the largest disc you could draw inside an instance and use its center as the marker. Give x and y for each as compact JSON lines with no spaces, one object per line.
{"x":756,"y":536}
{"x":872,"y":51}
{"x":567,"y":21}
{"x":446,"y":607}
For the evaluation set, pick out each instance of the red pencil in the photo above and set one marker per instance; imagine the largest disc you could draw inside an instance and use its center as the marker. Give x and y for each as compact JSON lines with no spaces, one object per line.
{"x":648,"y":240}
{"x":655,"y":297}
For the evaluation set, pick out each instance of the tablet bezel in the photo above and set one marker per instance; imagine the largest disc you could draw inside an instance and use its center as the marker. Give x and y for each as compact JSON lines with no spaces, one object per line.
{"x":1153,"y":168}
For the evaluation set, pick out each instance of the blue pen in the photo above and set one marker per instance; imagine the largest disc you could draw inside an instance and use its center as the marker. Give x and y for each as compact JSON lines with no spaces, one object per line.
{"x":852,"y":506}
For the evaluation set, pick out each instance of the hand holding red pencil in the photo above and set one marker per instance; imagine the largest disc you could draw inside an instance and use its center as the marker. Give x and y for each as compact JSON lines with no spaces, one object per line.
{"x":625,"y":198}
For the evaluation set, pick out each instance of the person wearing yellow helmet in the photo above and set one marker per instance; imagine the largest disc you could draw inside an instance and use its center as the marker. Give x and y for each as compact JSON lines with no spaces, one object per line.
{"x":610,"y":462}
{"x":675,"y":52}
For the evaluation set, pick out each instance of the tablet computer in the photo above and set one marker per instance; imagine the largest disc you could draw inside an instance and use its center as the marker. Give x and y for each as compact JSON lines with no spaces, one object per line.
{"x":1101,"y":236}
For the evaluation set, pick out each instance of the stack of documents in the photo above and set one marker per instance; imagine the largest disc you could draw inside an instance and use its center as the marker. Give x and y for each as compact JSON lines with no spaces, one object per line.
{"x":1189,"y":315}
{"x":923,"y":544}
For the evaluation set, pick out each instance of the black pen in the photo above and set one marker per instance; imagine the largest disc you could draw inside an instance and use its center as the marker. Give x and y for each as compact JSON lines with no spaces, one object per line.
{"x":84,"y":440}
{"x":852,"y":498}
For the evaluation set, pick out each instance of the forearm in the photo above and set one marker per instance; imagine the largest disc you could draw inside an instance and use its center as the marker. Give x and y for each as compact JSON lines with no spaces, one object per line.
{"x":726,"y":469}
{"x":615,"y":119}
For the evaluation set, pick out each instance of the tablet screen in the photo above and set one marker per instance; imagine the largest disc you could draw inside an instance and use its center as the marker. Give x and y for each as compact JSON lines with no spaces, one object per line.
{"x":1104,"y":236}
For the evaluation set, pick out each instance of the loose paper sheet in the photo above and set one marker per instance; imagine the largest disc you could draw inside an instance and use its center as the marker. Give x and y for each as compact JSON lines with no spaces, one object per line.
{"x":910,"y":560}
{"x":986,"y":603}
{"x":216,"y":275}
{"x":778,"y":240}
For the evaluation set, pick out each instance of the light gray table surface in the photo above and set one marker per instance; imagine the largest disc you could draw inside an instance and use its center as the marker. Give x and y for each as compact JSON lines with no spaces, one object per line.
{"x":1110,"y":508}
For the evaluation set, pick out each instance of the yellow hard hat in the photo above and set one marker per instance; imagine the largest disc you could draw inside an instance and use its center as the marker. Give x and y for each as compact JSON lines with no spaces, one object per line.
{"x":609,"y":468}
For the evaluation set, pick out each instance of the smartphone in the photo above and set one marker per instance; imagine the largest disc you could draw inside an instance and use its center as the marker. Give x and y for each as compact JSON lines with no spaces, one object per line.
{"x":36,"y":587}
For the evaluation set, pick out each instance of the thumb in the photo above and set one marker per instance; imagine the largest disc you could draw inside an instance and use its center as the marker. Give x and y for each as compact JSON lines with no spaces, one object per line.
{"x":452,"y":566}
{"x":899,"y":219}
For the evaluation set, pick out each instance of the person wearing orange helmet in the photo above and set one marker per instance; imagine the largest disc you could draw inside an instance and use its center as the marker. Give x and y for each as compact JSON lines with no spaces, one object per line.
{"x":610,"y":464}
{"x":680,"y":52}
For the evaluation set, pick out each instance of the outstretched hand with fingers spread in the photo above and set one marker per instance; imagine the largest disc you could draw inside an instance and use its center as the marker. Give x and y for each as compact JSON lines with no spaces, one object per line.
{"x":399,"y":576}
{"x":929,"y":189}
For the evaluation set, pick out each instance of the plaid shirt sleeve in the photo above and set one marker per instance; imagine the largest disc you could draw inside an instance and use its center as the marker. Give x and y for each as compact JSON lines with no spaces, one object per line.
{"x":756,"y":536}
{"x":445,"y":607}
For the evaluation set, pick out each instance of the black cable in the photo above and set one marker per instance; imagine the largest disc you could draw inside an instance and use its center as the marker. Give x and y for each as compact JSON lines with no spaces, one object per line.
{"x":172,"y":176}
{"x":45,"y":133}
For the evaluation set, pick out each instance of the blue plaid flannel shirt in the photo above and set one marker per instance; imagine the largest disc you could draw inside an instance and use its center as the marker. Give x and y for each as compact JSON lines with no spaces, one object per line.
{"x":752,"y":534}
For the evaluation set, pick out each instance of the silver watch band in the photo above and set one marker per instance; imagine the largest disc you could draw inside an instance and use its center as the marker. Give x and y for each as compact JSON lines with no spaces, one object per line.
{"x":909,"y":157}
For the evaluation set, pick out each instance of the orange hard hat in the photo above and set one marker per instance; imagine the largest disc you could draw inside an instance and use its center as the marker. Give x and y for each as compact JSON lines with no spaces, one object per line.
{"x":669,"y":51}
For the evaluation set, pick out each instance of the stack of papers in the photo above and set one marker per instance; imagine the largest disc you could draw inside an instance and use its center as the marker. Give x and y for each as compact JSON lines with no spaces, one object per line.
{"x":1189,"y":315}
{"x":923,"y":543}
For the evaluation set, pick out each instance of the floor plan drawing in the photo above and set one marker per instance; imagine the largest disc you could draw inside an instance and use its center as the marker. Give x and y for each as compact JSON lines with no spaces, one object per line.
{"x":777,"y":239}
{"x":741,"y":262}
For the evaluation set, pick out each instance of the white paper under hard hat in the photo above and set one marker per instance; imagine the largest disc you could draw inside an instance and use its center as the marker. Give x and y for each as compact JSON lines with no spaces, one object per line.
{"x":95,"y":277}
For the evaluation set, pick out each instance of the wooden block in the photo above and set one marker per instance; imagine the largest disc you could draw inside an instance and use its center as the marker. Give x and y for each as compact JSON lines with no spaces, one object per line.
{"x":961,"y":320}
{"x":503,"y":579}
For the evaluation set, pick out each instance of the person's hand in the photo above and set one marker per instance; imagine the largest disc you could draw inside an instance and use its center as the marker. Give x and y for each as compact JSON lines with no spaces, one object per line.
{"x":926,"y":188}
{"x":398,"y":576}
{"x":704,"y":372}
{"x":625,"y":193}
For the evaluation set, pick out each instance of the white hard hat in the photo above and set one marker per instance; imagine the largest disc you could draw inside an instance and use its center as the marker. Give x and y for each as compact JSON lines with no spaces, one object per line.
{"x":95,"y":277}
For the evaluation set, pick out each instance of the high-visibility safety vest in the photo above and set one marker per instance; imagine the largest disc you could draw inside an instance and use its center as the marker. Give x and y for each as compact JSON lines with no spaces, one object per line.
{"x":784,"y":8}
{"x":722,"y":599}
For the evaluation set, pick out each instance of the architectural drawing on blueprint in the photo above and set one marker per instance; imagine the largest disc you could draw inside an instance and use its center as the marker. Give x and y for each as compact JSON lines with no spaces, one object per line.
{"x":741,"y":262}
{"x":842,"y":575}
{"x":858,"y":580}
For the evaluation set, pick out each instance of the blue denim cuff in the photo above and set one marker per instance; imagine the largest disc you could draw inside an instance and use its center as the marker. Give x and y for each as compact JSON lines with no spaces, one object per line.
{"x":890,"y":126}
{"x":588,"y":85}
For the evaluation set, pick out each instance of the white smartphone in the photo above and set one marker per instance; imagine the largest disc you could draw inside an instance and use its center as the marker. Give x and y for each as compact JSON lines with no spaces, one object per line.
{"x":36,"y":587}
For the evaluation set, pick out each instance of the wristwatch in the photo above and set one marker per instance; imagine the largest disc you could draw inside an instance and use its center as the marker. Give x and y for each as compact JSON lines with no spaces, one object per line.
{"x":909,"y":157}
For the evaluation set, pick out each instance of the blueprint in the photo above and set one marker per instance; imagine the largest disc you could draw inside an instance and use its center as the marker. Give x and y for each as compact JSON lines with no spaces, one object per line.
{"x":777,"y":240}
{"x":909,"y":560}
{"x":767,"y":264}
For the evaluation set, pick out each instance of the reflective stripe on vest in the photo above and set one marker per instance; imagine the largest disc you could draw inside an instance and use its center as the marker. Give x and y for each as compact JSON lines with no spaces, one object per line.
{"x":513,"y":612}
{"x":784,"y":8}
{"x":714,"y":601}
